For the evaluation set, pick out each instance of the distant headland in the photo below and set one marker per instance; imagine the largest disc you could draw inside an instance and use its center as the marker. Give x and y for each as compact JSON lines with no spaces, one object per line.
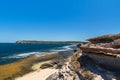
{"x":47,"y":42}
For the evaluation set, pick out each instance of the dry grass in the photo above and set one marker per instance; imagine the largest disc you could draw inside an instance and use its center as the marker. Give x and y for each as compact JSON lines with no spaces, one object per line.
{"x":19,"y":68}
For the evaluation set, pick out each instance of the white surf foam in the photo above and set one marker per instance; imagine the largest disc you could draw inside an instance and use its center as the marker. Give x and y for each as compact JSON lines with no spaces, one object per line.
{"x":24,"y":55}
{"x":65,"y":48}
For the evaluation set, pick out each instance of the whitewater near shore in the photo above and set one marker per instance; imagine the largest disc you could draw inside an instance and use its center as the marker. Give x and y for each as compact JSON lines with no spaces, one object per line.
{"x":43,"y":74}
{"x":23,"y":68}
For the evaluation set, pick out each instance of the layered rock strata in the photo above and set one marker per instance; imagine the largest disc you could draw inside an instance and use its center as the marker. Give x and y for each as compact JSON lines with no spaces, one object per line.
{"x":104,"y":50}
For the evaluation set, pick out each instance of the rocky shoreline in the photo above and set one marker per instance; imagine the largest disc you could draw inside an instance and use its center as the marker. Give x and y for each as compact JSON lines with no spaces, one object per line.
{"x":73,"y":70}
{"x":96,"y":60}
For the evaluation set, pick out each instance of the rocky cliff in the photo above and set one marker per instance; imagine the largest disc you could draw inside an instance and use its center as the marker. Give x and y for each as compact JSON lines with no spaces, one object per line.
{"x":74,"y":70}
{"x":99,"y":59}
{"x":105,"y":50}
{"x":104,"y":38}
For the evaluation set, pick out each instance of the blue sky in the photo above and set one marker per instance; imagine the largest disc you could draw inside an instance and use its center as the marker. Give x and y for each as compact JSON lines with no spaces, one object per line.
{"x":58,"y":20}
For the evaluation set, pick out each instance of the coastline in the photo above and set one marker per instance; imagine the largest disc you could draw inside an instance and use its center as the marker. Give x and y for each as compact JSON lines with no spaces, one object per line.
{"x":24,"y":66}
{"x":38,"y":74}
{"x":12,"y":52}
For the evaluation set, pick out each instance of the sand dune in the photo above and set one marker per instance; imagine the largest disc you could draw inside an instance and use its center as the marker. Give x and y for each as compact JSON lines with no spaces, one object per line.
{"x":38,"y":75}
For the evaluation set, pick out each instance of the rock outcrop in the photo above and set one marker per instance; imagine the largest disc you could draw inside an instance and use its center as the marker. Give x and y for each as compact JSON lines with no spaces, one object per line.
{"x":98,"y":59}
{"x":105,"y":50}
{"x":73,"y":70}
{"x":104,"y":38}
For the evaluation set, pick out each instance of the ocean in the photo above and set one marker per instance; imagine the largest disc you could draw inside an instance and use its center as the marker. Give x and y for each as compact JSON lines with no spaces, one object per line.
{"x":10,"y":52}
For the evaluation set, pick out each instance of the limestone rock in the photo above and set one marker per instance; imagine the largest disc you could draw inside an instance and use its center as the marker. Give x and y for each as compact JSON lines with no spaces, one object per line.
{"x":104,"y":38}
{"x":104,"y":50}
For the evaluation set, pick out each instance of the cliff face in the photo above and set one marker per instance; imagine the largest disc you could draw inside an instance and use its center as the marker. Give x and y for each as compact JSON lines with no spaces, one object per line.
{"x":99,"y":59}
{"x":73,"y":70}
{"x":105,"y":50}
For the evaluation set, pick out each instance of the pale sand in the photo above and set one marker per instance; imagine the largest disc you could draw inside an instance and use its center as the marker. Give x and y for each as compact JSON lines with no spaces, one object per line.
{"x":38,"y":75}
{"x":37,"y":65}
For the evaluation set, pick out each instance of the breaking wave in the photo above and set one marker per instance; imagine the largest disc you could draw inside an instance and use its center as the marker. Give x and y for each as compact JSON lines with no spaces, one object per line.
{"x":24,"y":55}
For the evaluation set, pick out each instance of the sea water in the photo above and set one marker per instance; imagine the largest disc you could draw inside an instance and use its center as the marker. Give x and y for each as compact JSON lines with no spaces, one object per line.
{"x":10,"y":52}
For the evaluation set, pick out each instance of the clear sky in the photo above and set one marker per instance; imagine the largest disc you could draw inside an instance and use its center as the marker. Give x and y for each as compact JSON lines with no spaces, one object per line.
{"x":57,"y":20}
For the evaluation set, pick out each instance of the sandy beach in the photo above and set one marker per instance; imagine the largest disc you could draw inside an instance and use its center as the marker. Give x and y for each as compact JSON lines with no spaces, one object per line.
{"x":38,"y":75}
{"x":26,"y":66}
{"x":30,"y":66}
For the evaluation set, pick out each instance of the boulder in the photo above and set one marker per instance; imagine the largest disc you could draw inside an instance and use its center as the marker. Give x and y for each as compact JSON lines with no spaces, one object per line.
{"x":46,"y":65}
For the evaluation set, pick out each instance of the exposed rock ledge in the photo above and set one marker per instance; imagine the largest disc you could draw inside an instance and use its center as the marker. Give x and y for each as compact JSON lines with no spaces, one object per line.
{"x":73,"y":70}
{"x":98,"y":60}
{"x":105,"y":50}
